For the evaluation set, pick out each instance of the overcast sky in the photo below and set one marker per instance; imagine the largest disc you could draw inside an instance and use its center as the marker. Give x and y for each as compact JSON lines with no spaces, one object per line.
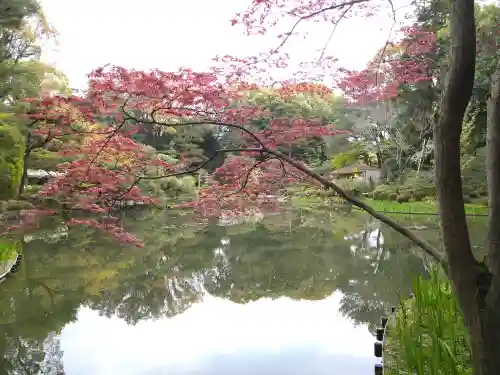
{"x":219,"y":337}
{"x":166,"y":34}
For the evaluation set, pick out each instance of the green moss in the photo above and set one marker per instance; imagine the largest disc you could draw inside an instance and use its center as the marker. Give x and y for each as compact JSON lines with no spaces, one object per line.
{"x":12,"y":148}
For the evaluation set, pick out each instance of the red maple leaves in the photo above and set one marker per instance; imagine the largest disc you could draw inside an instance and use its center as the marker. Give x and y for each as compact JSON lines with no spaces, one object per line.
{"x":406,"y":62}
{"x":107,"y":165}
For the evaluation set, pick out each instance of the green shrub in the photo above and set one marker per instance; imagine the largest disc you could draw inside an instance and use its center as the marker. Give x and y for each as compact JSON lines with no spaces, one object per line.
{"x":482,"y":201}
{"x":420,"y":185}
{"x":12,"y":148}
{"x":392,"y":196}
{"x":478,"y":193}
{"x":167,"y":158}
{"x":44,"y":159}
{"x":418,"y":196}
{"x":379,"y":195}
{"x":171,"y":186}
{"x":467,"y":199}
{"x":404,"y":196}
{"x":474,"y":174}
{"x":354,"y":186}
{"x":188,"y":185}
{"x":382,"y":192}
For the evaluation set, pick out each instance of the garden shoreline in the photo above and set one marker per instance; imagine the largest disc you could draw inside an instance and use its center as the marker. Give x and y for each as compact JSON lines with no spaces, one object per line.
{"x":12,"y":268}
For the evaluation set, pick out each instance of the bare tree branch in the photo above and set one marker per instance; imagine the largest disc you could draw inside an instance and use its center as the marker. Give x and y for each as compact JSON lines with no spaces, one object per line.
{"x":195,"y":123}
{"x":335,"y":24}
{"x":247,"y":173}
{"x":304,"y":18}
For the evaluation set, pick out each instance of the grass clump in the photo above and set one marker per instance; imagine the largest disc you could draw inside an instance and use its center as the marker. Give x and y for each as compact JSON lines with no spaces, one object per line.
{"x":428,"y":335}
{"x":8,"y":250}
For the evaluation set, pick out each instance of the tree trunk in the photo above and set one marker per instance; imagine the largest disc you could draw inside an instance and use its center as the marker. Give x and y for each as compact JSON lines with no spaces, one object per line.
{"x":493,"y":173}
{"x":27,"y":153}
{"x":379,"y":160}
{"x":24,"y":177}
{"x":470,"y":279}
{"x":491,"y":318}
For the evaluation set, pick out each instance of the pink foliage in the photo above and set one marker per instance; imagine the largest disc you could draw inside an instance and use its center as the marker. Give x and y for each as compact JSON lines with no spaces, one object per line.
{"x":108,"y":164}
{"x":384,"y":76}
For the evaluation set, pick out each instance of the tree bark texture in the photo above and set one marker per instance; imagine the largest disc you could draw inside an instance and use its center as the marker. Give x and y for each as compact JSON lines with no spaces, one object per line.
{"x":478,"y":302}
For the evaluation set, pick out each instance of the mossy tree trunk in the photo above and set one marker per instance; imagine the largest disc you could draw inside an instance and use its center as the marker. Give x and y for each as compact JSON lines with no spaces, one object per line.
{"x":12,"y":148}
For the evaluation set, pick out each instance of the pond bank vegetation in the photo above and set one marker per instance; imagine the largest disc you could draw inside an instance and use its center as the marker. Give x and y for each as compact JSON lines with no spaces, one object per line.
{"x":316,"y":197}
{"x":428,"y":335}
{"x":8,"y":255}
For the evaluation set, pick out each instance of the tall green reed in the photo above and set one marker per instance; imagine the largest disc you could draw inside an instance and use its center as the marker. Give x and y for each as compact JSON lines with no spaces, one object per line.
{"x":427,"y":335}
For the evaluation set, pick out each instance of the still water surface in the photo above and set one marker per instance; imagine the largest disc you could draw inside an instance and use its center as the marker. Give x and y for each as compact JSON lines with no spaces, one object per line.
{"x":299,"y":292}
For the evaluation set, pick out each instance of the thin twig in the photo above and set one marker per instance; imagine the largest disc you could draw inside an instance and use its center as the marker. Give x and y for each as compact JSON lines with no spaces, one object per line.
{"x":304,"y":18}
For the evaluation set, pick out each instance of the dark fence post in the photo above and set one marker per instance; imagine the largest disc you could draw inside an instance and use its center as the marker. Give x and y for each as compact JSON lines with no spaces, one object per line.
{"x":379,"y":344}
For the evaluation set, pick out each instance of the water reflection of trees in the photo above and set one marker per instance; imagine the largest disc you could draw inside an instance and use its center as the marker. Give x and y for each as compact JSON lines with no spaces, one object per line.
{"x":312,"y":256}
{"x":293,"y":254}
{"x":31,"y":315}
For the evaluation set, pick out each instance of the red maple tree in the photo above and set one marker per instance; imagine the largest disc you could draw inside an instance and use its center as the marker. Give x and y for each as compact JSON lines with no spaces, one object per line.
{"x":407,"y":61}
{"x":108,"y":164}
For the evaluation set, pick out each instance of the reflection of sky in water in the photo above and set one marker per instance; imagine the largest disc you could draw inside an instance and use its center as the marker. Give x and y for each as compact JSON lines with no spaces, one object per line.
{"x":218,"y":337}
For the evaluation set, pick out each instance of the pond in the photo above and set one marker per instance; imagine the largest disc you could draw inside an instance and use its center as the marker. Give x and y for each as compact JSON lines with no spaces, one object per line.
{"x":294,"y":292}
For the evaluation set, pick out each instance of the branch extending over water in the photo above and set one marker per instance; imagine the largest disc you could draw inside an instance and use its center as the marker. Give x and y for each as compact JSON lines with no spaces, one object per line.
{"x":257,"y":143}
{"x":424,"y":245}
